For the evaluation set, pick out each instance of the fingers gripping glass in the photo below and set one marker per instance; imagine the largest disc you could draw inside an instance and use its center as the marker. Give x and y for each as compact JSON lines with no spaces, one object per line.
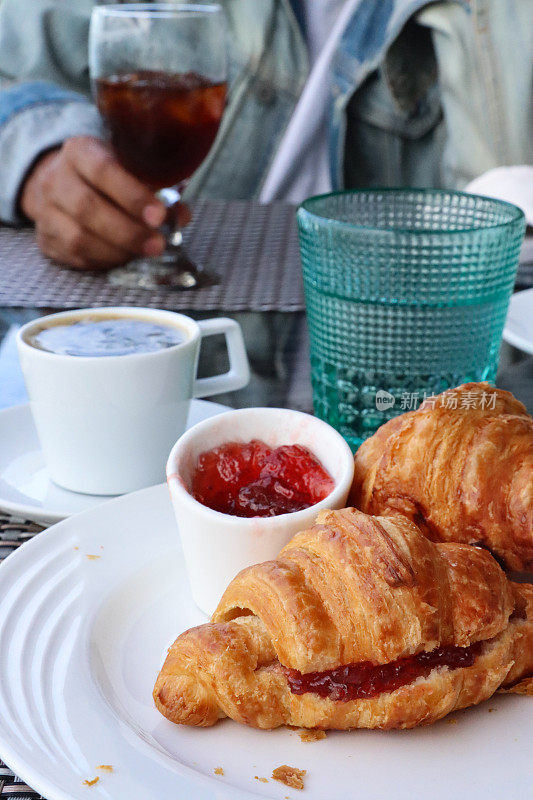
{"x":159,"y":75}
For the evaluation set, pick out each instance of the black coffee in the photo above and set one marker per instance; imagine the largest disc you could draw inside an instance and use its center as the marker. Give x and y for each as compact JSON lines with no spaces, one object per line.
{"x":91,"y":336}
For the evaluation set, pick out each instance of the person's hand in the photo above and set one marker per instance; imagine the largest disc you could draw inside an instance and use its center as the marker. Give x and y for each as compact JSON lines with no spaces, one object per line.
{"x":88,"y":211}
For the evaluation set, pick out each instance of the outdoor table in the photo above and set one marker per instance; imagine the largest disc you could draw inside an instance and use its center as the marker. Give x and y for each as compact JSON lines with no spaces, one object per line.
{"x":254,"y":250}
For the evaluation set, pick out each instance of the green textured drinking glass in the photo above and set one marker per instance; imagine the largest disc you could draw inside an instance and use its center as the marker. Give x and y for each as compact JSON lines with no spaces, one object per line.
{"x":406,"y":295}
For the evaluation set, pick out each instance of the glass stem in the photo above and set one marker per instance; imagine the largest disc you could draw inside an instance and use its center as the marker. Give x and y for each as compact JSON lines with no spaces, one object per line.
{"x":183,"y":272}
{"x":171,"y":229}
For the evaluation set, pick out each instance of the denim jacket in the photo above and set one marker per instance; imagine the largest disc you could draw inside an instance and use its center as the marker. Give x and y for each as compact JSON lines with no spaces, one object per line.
{"x":424,"y":93}
{"x":432,"y":93}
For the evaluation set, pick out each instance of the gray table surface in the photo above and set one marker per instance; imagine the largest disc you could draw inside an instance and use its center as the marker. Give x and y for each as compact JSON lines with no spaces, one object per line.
{"x":249,"y":249}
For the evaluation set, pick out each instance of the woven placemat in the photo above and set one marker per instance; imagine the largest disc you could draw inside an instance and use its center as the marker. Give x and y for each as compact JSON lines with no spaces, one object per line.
{"x":253,"y":249}
{"x":14,"y":532}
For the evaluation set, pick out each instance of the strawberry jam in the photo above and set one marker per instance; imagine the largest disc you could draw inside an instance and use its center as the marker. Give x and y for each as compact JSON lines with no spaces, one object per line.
{"x":254,"y":480}
{"x":355,"y":681}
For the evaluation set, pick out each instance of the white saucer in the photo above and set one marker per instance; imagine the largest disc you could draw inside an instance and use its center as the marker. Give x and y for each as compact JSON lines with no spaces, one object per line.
{"x":519,"y":323}
{"x":82,"y":640}
{"x":26,"y":489}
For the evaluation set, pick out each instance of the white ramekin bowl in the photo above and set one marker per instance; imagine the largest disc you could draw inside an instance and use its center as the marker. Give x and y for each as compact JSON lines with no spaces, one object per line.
{"x":217,"y":546}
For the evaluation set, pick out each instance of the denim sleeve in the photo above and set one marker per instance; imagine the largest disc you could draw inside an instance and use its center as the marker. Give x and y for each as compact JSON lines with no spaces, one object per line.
{"x":44,"y":86}
{"x":35,"y":117}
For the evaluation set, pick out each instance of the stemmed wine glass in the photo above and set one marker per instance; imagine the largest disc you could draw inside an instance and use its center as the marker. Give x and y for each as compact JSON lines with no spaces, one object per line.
{"x":159,"y":72}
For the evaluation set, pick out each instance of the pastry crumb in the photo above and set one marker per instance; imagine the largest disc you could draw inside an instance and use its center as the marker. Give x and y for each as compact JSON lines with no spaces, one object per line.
{"x":491,"y":710}
{"x":105,"y":767}
{"x":524,"y":687}
{"x":76,"y":548}
{"x":290,"y":776}
{"x":91,"y":783}
{"x":263,"y":780}
{"x":218,"y":771}
{"x":451,"y":721}
{"x":312,"y":735}
{"x":92,"y":557}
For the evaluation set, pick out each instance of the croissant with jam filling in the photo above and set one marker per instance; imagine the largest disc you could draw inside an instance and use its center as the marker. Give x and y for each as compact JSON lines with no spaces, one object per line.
{"x":460,"y":467}
{"x":361,"y":622}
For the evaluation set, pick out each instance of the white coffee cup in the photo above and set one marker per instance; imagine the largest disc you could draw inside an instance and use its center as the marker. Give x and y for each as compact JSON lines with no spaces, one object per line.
{"x":106,"y":424}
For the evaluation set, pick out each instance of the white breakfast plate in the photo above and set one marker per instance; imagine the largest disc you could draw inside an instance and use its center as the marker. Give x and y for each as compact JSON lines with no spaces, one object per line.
{"x":81,"y":642}
{"x":26,"y":489}
{"x":518,"y":329}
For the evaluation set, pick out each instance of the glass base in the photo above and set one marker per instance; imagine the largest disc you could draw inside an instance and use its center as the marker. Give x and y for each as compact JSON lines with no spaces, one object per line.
{"x":173,"y":270}
{"x":357,"y":402}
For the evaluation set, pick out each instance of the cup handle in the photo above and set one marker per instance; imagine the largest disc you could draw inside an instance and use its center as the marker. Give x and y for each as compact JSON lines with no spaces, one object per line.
{"x":238,"y":374}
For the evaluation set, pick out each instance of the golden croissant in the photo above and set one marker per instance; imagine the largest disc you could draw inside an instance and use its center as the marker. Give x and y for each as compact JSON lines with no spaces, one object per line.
{"x":460,"y":467}
{"x":361,"y":622}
